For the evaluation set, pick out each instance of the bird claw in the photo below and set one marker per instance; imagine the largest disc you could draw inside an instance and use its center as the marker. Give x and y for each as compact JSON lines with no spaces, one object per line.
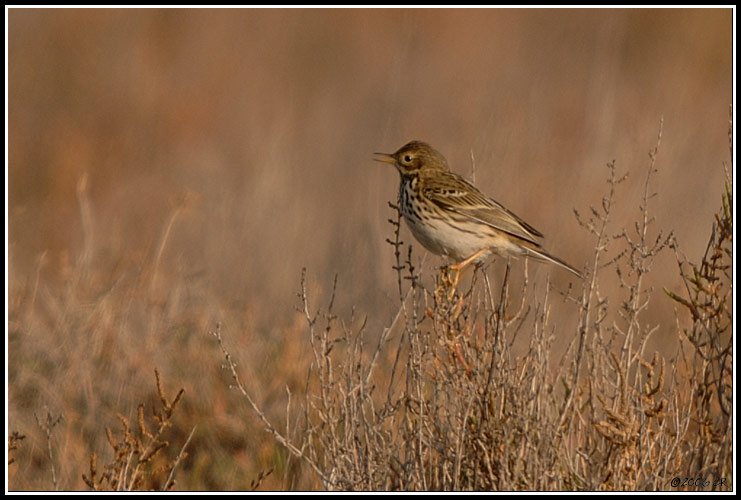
{"x":449,"y":283}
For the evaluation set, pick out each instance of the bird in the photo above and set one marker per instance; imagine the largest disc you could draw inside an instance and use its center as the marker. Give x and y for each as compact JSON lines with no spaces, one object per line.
{"x":451,"y":217}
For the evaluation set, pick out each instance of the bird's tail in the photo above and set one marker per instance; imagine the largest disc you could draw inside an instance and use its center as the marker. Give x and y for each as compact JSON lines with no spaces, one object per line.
{"x":540,"y":254}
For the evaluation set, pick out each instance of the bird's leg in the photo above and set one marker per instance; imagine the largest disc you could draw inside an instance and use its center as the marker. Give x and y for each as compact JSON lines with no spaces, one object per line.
{"x":445,"y":283}
{"x":448,"y":281}
{"x":458,"y":267}
{"x":464,"y":263}
{"x":445,"y":275}
{"x":450,"y":276}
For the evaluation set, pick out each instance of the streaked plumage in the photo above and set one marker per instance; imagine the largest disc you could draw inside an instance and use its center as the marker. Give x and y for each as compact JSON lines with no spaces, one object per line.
{"x":451,"y":217}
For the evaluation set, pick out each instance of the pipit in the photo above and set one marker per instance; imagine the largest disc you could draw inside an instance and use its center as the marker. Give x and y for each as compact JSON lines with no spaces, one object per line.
{"x":449,"y":216}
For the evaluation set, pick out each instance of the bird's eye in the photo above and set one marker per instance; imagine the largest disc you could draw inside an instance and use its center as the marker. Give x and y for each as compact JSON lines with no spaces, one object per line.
{"x":407,"y":158}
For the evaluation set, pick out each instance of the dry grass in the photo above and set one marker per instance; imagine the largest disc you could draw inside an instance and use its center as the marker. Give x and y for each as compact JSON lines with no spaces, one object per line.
{"x":136,"y":454}
{"x":459,"y":409}
{"x":173,"y":170}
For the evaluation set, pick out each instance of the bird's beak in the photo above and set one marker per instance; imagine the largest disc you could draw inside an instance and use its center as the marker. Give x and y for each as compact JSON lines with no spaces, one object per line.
{"x":385,"y":158}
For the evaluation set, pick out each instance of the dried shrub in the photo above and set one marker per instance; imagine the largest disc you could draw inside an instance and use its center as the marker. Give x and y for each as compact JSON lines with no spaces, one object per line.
{"x":138,"y":461}
{"x":446,"y":398}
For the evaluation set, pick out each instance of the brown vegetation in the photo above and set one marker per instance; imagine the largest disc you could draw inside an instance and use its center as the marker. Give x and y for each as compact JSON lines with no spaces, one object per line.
{"x":461,"y":410}
{"x":171,"y":172}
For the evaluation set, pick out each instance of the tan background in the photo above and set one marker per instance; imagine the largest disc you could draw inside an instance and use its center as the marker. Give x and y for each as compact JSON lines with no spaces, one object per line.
{"x":266,"y":121}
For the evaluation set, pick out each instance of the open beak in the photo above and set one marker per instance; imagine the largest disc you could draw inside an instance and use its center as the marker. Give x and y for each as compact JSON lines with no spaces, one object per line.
{"x":385,"y":158}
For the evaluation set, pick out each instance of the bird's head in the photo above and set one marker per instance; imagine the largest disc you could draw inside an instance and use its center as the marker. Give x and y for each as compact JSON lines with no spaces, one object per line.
{"x":413,"y":157}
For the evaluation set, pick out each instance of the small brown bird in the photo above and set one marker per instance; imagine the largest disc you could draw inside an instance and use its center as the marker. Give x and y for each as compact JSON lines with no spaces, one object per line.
{"x":449,"y":216}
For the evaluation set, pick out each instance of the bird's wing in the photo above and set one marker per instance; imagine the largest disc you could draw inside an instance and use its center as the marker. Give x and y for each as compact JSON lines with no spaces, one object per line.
{"x":453,"y":192}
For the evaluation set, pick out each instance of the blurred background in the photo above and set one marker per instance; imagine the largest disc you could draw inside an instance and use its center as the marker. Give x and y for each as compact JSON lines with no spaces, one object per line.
{"x":169,"y":169}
